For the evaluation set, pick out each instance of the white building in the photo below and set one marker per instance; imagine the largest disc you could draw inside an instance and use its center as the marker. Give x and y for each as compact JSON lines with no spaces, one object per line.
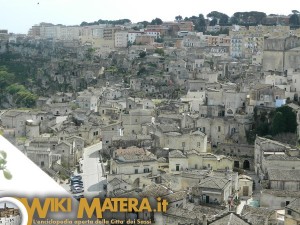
{"x":132,"y":35}
{"x":98,"y":32}
{"x":11,"y":219}
{"x":69,"y":33}
{"x":87,"y":101}
{"x":153,"y":33}
{"x":50,"y":31}
{"x":121,"y":39}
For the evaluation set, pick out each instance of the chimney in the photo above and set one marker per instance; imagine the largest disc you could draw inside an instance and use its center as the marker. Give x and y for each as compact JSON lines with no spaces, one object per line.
{"x":184,"y":202}
{"x":204,"y":218}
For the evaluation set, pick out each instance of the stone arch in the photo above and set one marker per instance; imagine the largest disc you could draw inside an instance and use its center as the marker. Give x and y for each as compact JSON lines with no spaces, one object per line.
{"x":246,"y":165}
{"x":136,"y":183}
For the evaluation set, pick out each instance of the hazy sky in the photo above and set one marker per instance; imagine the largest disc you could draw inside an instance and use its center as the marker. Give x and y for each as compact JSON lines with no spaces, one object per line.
{"x":8,"y":204}
{"x":19,"y":15}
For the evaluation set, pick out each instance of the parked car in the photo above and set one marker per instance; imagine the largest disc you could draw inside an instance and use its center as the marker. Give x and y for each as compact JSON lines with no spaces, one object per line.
{"x":78,"y":177}
{"x":75,"y":179}
{"x":77,"y":190}
{"x":76,"y":186}
{"x":76,"y":182}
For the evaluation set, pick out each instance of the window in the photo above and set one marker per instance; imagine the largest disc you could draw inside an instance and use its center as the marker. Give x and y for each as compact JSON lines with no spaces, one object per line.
{"x":289,"y":212}
{"x":177,"y":167}
{"x":42,"y":118}
{"x":203,"y":129}
{"x":136,"y":171}
{"x":287,"y":202}
{"x":106,"y":142}
{"x":146,"y":170}
{"x":219,"y":129}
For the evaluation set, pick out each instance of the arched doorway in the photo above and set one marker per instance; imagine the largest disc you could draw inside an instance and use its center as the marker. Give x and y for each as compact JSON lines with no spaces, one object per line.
{"x":136,"y":183}
{"x":246,"y":165}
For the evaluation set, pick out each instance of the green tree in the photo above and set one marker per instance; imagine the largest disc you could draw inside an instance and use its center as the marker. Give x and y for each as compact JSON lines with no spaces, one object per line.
{"x":160,"y":51}
{"x":278,"y":124}
{"x":144,"y":23}
{"x":26,"y":99}
{"x":142,"y":54}
{"x":6,"y":78}
{"x":216,"y":16}
{"x":178,"y":18}
{"x":89,"y":53}
{"x":3,"y":162}
{"x":294,"y":21}
{"x":201,"y":24}
{"x":159,"y":40}
{"x":234,"y":20}
{"x":224,"y":19}
{"x":15,"y":88}
{"x":156,"y":21}
{"x":290,"y":119}
{"x":213,"y":22}
{"x":250,"y":18}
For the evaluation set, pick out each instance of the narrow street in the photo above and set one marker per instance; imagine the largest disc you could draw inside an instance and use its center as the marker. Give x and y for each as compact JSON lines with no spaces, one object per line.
{"x":92,"y":176}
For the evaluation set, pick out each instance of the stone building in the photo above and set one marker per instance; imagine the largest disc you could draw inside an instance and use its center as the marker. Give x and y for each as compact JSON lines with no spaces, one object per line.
{"x":281,"y":54}
{"x":10,"y":216}
{"x":292,"y":213}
